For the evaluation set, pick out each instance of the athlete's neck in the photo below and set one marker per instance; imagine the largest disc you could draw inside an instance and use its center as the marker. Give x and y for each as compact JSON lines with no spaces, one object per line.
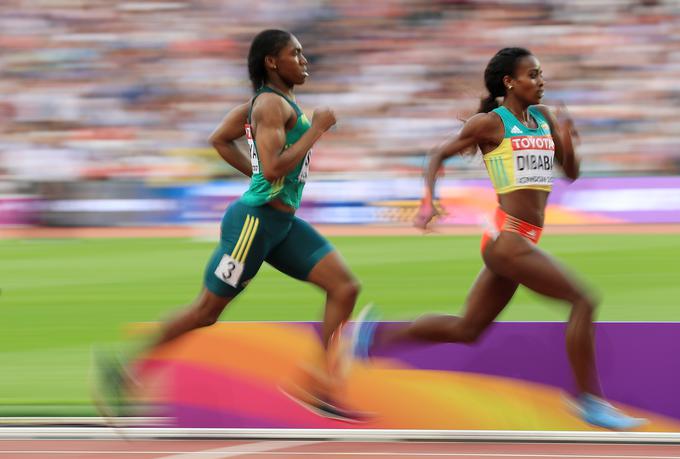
{"x":283,"y":88}
{"x":517,"y":108}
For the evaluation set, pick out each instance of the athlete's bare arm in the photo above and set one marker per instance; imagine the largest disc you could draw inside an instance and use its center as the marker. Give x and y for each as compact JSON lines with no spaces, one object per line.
{"x":224,"y":136}
{"x":564,"y":147}
{"x":478,"y":130}
{"x":270,"y":115}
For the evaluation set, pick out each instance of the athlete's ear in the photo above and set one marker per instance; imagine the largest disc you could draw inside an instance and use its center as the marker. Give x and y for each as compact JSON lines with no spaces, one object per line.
{"x":270,"y":62}
{"x":508,"y":82}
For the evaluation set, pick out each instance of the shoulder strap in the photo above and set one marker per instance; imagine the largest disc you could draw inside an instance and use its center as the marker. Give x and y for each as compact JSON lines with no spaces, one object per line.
{"x":298,"y":112}
{"x":540,"y":118}
{"x":506,"y":118}
{"x":264,"y":89}
{"x":537,"y":114}
{"x":505,"y":114}
{"x":250,"y":109}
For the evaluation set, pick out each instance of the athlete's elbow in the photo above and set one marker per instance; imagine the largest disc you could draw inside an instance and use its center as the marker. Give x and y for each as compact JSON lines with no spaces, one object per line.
{"x":436,"y":156}
{"x":214,"y":137}
{"x":216,"y":141}
{"x":573,"y":175}
{"x":437,"y":153}
{"x":574,"y":171}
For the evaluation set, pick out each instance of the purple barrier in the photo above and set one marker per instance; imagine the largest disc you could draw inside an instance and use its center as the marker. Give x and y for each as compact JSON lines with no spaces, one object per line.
{"x":637,"y":362}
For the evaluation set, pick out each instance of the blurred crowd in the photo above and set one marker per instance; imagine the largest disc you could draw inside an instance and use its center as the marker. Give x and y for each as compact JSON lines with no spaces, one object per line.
{"x":113,"y":89}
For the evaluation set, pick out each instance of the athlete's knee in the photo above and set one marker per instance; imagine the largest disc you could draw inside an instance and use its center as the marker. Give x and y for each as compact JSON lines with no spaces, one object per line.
{"x":354,"y":288}
{"x":470,"y":335}
{"x":205,"y":318}
{"x":345,"y":294}
{"x":585,"y":303}
{"x":465,"y":332}
{"x":207,"y":314}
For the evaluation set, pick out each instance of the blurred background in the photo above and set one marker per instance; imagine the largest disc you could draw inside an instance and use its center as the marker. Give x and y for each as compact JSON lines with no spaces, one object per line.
{"x":106,"y":107}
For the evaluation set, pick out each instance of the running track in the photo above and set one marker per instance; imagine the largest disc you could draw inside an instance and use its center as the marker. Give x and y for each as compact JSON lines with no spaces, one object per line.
{"x":215,"y":449}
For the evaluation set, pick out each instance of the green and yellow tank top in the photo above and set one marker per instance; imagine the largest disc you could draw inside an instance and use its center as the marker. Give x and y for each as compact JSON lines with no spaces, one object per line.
{"x":525,"y":157}
{"x":287,"y":189}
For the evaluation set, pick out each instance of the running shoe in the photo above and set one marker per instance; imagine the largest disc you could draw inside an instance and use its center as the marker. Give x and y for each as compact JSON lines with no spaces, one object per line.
{"x":323,"y":407}
{"x":600,"y":413}
{"x":364,"y":332}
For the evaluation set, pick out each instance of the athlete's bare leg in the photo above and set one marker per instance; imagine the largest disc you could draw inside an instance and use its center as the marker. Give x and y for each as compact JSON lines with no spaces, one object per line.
{"x":510,"y":261}
{"x":516,"y":258}
{"x":323,"y":384}
{"x":115,"y":376}
{"x":204,"y":311}
{"x":342,"y":289}
{"x":487,"y":298}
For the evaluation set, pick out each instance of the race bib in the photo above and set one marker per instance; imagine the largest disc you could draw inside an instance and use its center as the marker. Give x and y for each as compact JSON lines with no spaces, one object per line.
{"x":533,"y":158}
{"x":229,"y":271}
{"x":534,"y":168}
{"x":254,"y":160}
{"x":304,"y":172}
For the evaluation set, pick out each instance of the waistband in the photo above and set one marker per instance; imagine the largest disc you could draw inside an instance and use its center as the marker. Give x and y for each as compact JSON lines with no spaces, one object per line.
{"x":266,"y":209}
{"x":506,"y":222}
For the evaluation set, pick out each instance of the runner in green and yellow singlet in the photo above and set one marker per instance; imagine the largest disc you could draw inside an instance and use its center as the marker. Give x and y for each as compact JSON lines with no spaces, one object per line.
{"x":262,"y":226}
{"x":521,"y":141}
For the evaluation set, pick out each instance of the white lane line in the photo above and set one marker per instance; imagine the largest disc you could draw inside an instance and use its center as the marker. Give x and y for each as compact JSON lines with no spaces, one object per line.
{"x":269,"y":449}
{"x":217,"y":453}
{"x":89,"y":433}
{"x":239,"y":450}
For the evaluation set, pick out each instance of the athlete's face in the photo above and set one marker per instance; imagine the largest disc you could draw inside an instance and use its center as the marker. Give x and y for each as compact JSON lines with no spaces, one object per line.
{"x":527,"y":84}
{"x":291,"y":64}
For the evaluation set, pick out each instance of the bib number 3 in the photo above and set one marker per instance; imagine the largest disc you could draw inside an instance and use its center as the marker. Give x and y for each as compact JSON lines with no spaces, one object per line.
{"x":229,"y":271}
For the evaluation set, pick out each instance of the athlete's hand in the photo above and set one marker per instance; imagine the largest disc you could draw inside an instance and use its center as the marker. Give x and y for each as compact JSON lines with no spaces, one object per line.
{"x":323,"y":119}
{"x":566,"y":121}
{"x":425,"y":214}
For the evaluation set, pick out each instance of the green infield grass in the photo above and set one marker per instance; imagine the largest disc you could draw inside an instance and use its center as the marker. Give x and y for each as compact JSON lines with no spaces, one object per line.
{"x":60,"y":297}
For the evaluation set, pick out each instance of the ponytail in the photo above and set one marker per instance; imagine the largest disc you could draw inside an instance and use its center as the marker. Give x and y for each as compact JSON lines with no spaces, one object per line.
{"x":487,"y":104}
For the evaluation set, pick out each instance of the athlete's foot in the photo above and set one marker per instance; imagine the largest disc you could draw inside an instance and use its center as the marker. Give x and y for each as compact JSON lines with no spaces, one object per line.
{"x":364,"y":332}
{"x":111,"y":382}
{"x":600,"y":413}
{"x":323,"y":406}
